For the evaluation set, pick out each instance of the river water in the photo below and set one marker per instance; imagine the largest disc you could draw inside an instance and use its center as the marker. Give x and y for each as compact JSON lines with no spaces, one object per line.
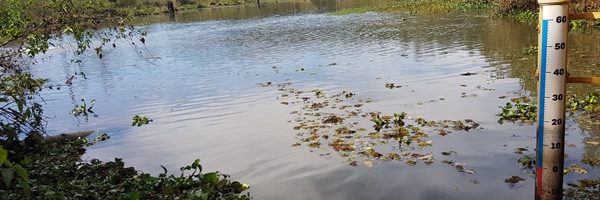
{"x":198,"y":77}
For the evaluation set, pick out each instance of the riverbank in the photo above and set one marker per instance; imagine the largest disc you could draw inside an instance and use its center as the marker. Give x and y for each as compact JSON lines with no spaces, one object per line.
{"x":422,"y":7}
{"x":154,"y":7}
{"x":521,"y":10}
{"x":54,"y":170}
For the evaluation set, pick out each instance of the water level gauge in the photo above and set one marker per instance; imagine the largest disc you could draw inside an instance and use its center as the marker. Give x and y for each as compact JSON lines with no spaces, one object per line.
{"x":552,"y":56}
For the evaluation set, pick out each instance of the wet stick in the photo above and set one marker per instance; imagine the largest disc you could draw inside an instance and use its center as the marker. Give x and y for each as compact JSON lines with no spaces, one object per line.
{"x":171,"y":8}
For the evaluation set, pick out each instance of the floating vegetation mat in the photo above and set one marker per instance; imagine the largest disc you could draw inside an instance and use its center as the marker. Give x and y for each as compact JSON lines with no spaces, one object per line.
{"x":341,"y":125}
{"x":523,"y":110}
{"x":338,"y":123}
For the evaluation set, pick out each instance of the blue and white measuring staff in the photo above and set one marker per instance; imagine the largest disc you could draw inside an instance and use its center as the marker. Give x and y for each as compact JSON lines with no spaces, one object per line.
{"x":552,"y":62}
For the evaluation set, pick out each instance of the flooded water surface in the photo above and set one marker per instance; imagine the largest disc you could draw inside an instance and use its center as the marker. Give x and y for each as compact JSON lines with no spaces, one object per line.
{"x":238,"y":88}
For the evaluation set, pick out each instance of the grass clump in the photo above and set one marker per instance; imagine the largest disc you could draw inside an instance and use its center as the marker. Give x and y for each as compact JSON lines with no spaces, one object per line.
{"x":525,"y":11}
{"x":354,"y":11}
{"x":581,"y":24}
{"x":437,"y":6}
{"x":514,"y":6}
{"x":469,"y":5}
{"x":525,"y":16}
{"x":422,"y":6}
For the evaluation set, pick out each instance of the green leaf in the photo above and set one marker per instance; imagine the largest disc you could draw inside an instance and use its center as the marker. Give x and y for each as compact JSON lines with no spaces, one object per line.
{"x":7,"y":175}
{"x":26,"y":160}
{"x":26,"y":188}
{"x":3,"y":155}
{"x":198,"y":194}
{"x":21,"y":172}
{"x":212,"y":177}
{"x":196,"y":163}
{"x":20,"y":105}
{"x":133,"y":196}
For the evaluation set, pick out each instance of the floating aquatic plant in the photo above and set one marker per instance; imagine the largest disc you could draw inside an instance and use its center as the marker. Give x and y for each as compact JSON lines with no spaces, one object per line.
{"x":392,"y":85}
{"x":398,"y":119}
{"x":583,"y":189}
{"x":321,"y":122}
{"x":519,"y":109}
{"x":333,"y":119}
{"x":342,"y":145}
{"x":575,"y":169}
{"x":319,"y":93}
{"x":139,"y":120}
{"x":84,"y":109}
{"x":513,"y":180}
{"x":531,"y":50}
{"x":379,"y":123}
{"x":527,"y":161}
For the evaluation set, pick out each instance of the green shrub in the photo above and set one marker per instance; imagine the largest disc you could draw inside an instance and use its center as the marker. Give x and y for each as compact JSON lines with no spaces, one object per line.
{"x":184,"y":2}
{"x":508,"y":6}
